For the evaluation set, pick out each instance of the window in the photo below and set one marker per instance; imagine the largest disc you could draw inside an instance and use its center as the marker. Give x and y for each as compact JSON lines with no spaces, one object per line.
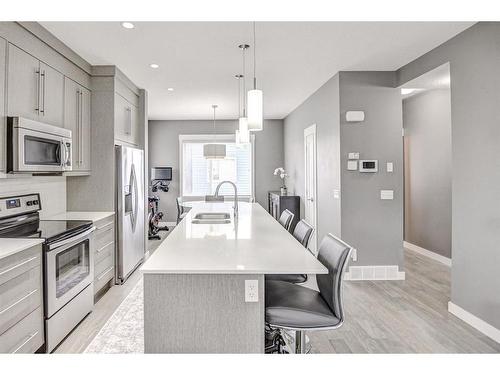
{"x":200,"y":176}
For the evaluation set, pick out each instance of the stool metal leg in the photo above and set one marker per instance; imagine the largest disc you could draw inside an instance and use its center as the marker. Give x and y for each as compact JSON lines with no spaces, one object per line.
{"x":300,"y":342}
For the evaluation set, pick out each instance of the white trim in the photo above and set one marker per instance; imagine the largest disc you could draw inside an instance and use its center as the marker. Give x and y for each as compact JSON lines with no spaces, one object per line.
{"x":202,"y":138}
{"x":479,"y":324}
{"x":311,"y":130}
{"x":388,"y":272}
{"x":430,"y":254}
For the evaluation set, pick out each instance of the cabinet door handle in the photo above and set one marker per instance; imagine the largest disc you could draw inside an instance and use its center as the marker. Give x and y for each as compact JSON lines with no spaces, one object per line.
{"x":18,"y":301}
{"x":78,"y":121}
{"x":42,"y":110}
{"x":17,"y":266}
{"x":37,"y":73}
{"x":81,"y":127}
{"x":25,"y":342}
{"x":104,"y":273}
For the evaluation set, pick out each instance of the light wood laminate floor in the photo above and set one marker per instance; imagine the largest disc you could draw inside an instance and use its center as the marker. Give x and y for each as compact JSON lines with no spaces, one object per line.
{"x":407,"y":316}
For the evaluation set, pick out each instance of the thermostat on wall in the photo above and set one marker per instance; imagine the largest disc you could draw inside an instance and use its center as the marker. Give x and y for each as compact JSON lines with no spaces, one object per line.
{"x":368,"y":165}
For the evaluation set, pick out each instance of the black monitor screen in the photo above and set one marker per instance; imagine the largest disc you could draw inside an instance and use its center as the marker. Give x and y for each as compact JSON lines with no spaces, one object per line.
{"x":161,"y":173}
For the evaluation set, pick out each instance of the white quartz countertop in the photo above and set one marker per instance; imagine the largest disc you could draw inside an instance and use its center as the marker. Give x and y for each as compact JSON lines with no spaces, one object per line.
{"x":10,"y":246}
{"x":81,"y":215}
{"x":254,"y":244}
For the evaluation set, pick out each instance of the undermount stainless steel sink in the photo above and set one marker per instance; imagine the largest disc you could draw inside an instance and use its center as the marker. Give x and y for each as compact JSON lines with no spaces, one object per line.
{"x":211,"y":218}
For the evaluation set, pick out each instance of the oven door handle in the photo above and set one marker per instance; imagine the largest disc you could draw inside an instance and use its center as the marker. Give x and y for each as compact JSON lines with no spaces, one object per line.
{"x":71,"y":240}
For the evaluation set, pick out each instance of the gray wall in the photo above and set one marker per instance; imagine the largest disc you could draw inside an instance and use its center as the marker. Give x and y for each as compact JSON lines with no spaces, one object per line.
{"x":322,"y":109}
{"x":372,"y":225}
{"x":164,"y":151}
{"x":474,"y":57}
{"x":427,"y":124}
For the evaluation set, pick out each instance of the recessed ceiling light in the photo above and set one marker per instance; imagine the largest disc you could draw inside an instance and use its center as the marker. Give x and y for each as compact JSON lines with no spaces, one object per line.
{"x":128,"y":25}
{"x":170,"y":89}
{"x":154,"y":66}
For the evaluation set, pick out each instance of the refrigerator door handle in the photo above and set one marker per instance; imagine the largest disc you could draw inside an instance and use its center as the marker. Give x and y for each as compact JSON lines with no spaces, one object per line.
{"x":133,"y":216}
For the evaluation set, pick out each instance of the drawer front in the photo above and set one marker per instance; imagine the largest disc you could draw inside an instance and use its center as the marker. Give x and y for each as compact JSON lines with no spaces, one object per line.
{"x":104,"y":264}
{"x":17,"y":264}
{"x":104,"y":252}
{"x":102,"y":278}
{"x":19,"y":297}
{"x":24,"y":337}
{"x":104,"y":236}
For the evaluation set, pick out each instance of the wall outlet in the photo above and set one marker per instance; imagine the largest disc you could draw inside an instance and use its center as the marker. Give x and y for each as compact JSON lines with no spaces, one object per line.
{"x":251,"y":290}
{"x":386,"y":194}
{"x":353,"y":155}
{"x":390,"y":167}
{"x":336,"y":193}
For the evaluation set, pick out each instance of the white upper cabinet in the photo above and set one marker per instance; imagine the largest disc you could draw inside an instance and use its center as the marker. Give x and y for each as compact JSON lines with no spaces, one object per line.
{"x":34,"y":89}
{"x":77,"y":119}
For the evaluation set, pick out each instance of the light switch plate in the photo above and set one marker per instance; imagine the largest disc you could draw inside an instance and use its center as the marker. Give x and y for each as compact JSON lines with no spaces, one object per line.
{"x":336,"y":193}
{"x":390,"y":167}
{"x":352,"y":165}
{"x":386,"y":194}
{"x":251,"y":290}
{"x":353,"y":155}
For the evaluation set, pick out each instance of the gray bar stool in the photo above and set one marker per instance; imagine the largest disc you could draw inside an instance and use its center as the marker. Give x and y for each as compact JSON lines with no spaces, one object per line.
{"x":294,"y":307}
{"x":302,"y":233}
{"x":286,"y":219}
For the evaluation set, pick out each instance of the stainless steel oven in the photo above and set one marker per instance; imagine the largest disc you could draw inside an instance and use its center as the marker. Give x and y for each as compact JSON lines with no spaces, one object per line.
{"x":35,"y":147}
{"x":70,"y":269}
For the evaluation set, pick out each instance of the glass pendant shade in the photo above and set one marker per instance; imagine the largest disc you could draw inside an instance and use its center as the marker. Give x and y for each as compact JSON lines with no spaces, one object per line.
{"x":214,"y":151}
{"x":255,"y":110}
{"x":244,"y":135}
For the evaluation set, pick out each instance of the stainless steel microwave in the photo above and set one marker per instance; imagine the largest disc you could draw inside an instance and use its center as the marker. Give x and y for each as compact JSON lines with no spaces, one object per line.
{"x":36,"y":147}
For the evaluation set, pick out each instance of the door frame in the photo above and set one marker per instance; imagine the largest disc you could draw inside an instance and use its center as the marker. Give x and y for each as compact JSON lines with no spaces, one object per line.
{"x":311,"y":130}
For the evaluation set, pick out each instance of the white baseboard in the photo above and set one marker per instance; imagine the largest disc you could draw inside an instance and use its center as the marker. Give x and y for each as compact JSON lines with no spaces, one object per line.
{"x":389,"y":272}
{"x":430,"y":254}
{"x":474,"y":321}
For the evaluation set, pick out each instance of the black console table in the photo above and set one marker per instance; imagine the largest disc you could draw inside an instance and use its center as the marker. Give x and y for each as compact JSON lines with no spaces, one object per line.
{"x":277,"y":203}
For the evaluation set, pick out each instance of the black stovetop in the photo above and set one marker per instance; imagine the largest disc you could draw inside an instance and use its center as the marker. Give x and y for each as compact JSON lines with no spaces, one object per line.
{"x":30,"y":226}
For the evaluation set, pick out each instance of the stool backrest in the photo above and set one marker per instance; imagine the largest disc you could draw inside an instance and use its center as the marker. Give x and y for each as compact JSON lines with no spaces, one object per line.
{"x":334,"y":254}
{"x":303,"y":232}
{"x":286,"y":219}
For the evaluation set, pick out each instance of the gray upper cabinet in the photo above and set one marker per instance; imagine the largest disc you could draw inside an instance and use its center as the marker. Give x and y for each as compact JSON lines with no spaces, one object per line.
{"x":34,"y":89}
{"x":77,"y":119}
{"x":126,"y":121}
{"x":3,"y":62}
{"x":51,"y":95}
{"x":23,"y":91}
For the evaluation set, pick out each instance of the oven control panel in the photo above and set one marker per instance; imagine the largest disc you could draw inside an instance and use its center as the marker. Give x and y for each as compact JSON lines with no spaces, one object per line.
{"x":21,"y":204}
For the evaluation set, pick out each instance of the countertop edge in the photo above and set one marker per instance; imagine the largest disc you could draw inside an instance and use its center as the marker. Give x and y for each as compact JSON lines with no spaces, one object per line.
{"x":26,"y":244}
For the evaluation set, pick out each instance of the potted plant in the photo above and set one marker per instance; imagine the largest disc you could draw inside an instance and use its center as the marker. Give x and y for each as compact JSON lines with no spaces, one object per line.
{"x":282,"y":174}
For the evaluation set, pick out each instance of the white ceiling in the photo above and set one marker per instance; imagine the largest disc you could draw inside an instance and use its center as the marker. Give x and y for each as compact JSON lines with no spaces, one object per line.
{"x":199,"y":59}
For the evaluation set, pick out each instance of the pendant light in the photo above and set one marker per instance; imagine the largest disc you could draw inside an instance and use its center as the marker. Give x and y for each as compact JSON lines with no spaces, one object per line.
{"x":244,"y":135}
{"x":214,"y":150}
{"x":255,"y":98}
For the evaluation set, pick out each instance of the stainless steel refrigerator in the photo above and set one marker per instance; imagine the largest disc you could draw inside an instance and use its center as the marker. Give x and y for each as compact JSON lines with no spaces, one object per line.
{"x":130,"y":204}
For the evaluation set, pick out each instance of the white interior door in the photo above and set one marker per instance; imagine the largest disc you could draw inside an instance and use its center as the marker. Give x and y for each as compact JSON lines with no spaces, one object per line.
{"x":310,"y":183}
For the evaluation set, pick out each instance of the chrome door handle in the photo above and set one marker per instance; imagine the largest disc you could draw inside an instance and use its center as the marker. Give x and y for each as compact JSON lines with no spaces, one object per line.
{"x":71,"y":240}
{"x":78,"y":120}
{"x":42,"y":110}
{"x":37,"y":72}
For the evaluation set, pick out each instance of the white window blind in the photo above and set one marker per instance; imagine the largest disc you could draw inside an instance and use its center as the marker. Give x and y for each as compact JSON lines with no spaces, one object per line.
{"x":201,"y":176}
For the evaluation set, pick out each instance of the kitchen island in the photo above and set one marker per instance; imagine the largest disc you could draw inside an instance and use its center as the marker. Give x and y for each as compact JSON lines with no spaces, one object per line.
{"x":204,"y":285}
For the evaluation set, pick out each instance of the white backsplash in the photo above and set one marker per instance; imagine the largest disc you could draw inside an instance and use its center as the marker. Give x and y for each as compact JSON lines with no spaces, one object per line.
{"x":52,"y":191}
